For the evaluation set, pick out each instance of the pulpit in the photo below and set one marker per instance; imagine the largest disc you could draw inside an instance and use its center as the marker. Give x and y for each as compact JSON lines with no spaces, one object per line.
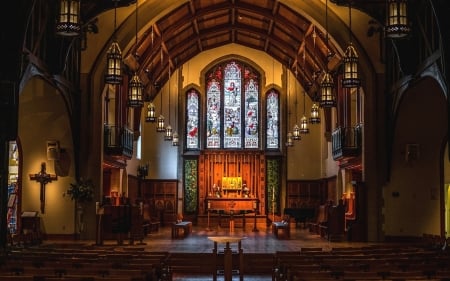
{"x":114,"y":223}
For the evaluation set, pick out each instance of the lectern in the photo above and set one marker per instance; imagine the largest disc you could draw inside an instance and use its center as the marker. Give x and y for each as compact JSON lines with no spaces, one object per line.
{"x":228,"y":256}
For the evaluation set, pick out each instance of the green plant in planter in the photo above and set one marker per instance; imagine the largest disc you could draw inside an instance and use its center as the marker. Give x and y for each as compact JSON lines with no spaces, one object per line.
{"x":81,"y":191}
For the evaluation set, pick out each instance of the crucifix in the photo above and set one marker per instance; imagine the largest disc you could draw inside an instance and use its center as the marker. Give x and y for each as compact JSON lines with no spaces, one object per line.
{"x":43,"y":178}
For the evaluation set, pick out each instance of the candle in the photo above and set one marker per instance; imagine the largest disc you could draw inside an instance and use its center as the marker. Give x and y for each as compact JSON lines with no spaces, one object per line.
{"x":209,"y":205}
{"x":97,"y":207}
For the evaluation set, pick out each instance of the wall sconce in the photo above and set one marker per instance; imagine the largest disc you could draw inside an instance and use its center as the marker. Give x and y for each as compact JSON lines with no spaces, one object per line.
{"x":53,"y":150}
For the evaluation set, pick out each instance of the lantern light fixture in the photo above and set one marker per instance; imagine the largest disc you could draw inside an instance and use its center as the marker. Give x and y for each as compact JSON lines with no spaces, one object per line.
{"x":135,"y":86}
{"x":350,"y":77}
{"x":151,"y":113}
{"x":397,"y":19}
{"x":68,"y":20}
{"x":315,"y":114}
{"x":114,"y":57}
{"x":327,"y":97}
{"x":304,"y":121}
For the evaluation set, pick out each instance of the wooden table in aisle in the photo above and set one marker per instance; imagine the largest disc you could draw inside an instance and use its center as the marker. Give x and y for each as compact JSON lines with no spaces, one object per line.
{"x":228,"y":256}
{"x":185,"y":227}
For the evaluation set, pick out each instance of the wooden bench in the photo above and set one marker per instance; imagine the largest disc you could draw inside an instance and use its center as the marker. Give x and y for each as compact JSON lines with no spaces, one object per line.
{"x":184,"y":226}
{"x":281,"y":227}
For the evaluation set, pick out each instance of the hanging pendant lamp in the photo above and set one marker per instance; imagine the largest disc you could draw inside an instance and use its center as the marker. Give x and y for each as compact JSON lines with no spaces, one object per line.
{"x":175,"y":136}
{"x":114,"y":58}
{"x":151,"y":113}
{"x":315,"y":114}
{"x":168,"y":135}
{"x":289,"y":140}
{"x":296,"y":130}
{"x":327,"y":97}
{"x":68,"y":21}
{"x":397,"y":19}
{"x":135,"y":86}
{"x":160,"y":128}
{"x":135,"y":89}
{"x":350,"y":77}
{"x":175,"y":139}
{"x":304,"y":121}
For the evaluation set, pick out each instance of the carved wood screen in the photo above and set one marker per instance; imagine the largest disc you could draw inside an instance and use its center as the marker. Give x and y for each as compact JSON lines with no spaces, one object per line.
{"x":214,"y":165}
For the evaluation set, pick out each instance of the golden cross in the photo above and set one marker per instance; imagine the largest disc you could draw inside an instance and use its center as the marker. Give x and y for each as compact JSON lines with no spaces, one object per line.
{"x":43,"y":178}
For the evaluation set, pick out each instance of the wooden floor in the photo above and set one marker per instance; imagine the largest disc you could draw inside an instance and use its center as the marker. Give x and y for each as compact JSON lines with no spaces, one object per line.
{"x":260,"y":241}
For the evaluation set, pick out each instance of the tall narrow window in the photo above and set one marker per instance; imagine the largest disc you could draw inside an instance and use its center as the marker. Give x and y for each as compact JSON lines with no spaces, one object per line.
{"x":251,"y":114}
{"x":213,"y":114}
{"x":232,"y":107}
{"x":192,"y":102}
{"x":272,"y":119}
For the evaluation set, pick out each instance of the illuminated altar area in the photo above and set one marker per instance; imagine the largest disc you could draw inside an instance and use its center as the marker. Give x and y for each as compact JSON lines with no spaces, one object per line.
{"x":232,"y":181}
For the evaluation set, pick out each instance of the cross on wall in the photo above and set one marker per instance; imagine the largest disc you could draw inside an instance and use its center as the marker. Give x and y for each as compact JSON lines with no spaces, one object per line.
{"x":43,"y":179}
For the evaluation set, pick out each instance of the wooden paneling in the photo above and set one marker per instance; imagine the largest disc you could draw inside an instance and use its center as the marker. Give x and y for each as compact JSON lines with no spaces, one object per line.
{"x":214,"y":165}
{"x":161,"y":196}
{"x":302,"y":193}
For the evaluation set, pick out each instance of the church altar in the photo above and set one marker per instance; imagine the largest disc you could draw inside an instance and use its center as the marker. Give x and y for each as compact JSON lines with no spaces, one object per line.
{"x":232,"y":204}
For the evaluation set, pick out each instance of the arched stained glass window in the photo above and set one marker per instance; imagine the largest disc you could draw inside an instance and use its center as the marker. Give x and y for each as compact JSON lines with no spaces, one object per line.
{"x":192,"y":122}
{"x":232,"y":107}
{"x":251,"y":114}
{"x":213,"y":113}
{"x":272,"y":120}
{"x":232,"y":117}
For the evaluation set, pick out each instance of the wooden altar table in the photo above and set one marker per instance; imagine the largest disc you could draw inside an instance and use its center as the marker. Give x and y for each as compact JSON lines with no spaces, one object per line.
{"x":235,"y":204}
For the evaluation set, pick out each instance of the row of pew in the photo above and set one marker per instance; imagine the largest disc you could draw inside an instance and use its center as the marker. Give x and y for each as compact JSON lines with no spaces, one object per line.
{"x":378,"y":262}
{"x":81,"y":264}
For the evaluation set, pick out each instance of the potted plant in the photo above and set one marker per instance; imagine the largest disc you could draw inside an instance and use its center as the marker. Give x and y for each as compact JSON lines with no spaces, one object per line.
{"x":81,"y":192}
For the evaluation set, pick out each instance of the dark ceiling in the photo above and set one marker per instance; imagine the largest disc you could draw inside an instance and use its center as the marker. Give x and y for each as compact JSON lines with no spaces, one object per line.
{"x":199,"y":25}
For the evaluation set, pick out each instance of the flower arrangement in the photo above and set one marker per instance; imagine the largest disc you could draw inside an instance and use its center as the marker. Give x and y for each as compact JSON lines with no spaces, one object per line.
{"x":81,"y":191}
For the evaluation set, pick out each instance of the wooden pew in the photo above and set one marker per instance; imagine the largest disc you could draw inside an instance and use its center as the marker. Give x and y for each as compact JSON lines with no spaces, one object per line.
{"x":319,"y":226}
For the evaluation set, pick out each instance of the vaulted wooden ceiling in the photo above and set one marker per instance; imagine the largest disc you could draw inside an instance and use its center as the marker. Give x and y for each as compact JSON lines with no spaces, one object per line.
{"x":199,"y":25}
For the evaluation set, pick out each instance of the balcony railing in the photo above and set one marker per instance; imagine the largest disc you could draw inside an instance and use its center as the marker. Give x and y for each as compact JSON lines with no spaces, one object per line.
{"x":118,"y":141}
{"x":346,"y":142}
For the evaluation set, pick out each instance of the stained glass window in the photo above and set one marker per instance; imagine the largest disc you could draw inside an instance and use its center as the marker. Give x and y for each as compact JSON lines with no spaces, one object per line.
{"x":192,"y":124}
{"x":272,"y":120}
{"x":232,"y":107}
{"x":251,"y":114}
{"x":213,"y":113}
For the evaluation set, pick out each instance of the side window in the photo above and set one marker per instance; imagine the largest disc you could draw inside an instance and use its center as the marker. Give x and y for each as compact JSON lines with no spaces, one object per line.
{"x":192,"y":121}
{"x":272,"y":120}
